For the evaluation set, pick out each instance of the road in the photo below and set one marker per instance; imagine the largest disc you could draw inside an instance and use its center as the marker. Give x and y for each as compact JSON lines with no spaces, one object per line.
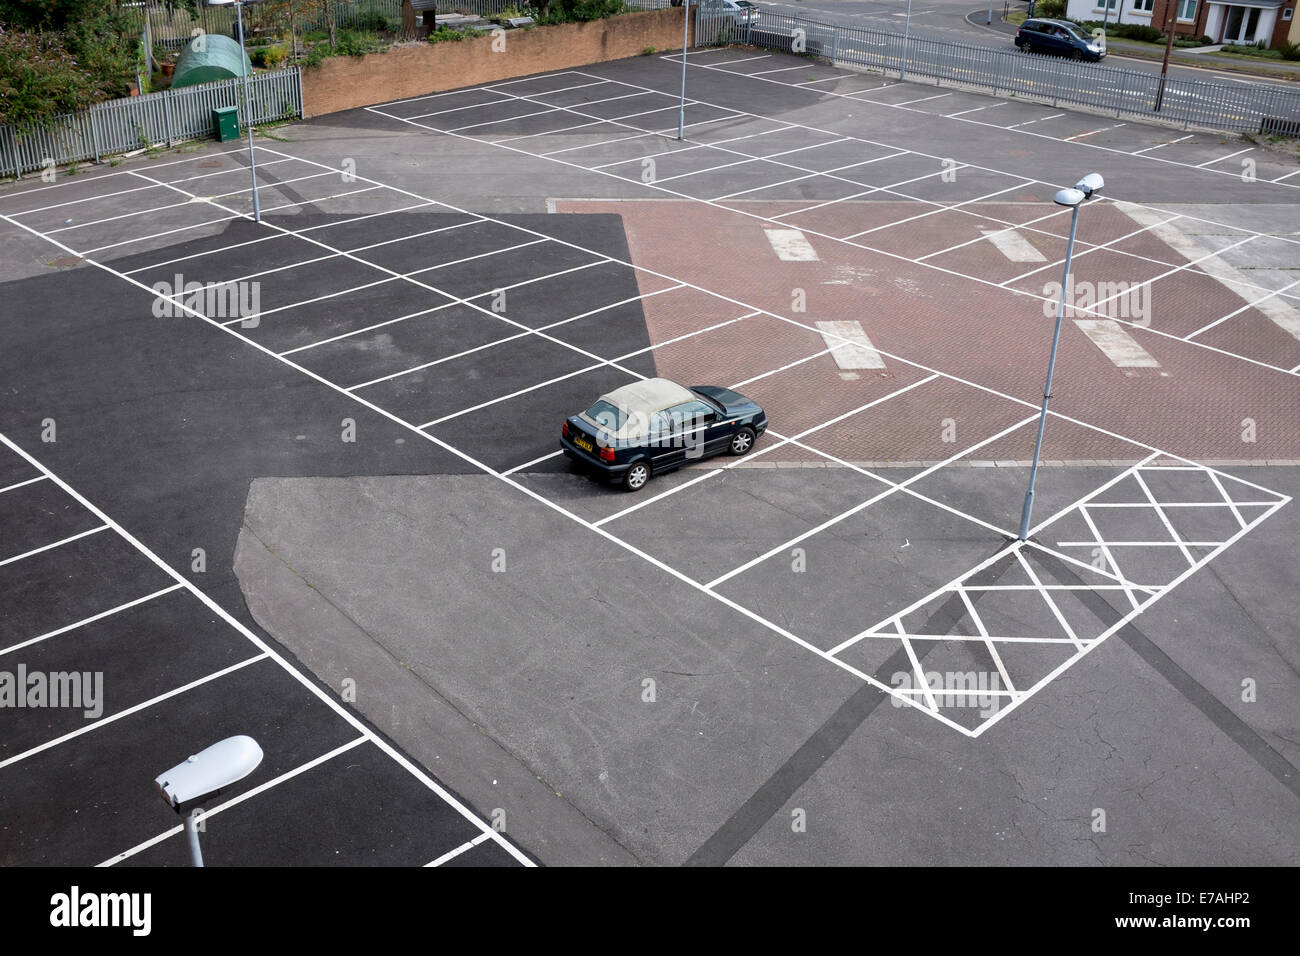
{"x":946,"y":20}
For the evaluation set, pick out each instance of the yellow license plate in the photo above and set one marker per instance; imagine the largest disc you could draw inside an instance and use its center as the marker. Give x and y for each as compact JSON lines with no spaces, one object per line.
{"x":584,"y":445}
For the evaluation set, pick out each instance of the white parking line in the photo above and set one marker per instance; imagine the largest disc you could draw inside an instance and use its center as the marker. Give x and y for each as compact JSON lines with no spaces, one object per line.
{"x":1211,"y":162}
{"x":134,"y":709}
{"x":924,"y":99}
{"x":236,"y":801}
{"x":53,"y":544}
{"x":22,"y":484}
{"x":88,"y":620}
{"x":452,"y":854}
{"x":1041,"y":119}
{"x":1148,"y":149}
{"x":975,"y":110}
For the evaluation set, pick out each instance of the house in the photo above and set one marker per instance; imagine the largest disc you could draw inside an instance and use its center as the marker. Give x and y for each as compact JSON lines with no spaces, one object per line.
{"x":1223,"y":21}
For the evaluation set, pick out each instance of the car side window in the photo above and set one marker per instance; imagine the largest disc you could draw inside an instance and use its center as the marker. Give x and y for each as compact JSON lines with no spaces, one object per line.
{"x":693,"y":414}
{"x":661,"y":427}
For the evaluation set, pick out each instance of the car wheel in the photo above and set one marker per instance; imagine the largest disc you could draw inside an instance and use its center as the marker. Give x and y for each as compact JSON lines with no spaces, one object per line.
{"x":634,"y":478}
{"x":742,"y":441}
{"x":1076,"y":54}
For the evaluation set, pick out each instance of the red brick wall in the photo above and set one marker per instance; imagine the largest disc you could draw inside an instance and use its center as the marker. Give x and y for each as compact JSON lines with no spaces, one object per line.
{"x":347,"y":82}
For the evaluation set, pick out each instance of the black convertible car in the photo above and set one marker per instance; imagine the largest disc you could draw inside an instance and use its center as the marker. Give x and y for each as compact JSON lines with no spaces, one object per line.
{"x":655,"y":425}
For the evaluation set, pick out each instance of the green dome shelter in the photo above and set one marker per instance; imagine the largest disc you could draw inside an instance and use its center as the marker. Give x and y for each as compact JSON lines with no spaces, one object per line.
{"x":220,"y":59}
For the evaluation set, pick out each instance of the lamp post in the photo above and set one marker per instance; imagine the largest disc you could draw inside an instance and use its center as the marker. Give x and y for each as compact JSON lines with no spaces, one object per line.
{"x":681,"y":110}
{"x":1073,"y":198}
{"x":209,"y":771}
{"x":248,"y":106}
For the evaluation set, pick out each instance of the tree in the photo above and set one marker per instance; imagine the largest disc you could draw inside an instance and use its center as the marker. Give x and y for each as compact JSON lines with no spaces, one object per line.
{"x":62,"y":55}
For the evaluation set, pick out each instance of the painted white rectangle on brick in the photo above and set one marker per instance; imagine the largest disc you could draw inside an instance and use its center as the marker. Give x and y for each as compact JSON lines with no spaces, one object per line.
{"x":857,"y":352}
{"x":791,"y":245}
{"x":1120,"y":347}
{"x":1013,"y":245}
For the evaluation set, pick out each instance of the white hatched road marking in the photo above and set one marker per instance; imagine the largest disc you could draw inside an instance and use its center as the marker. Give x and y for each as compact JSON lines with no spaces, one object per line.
{"x":849,"y":345}
{"x":1116,"y":344}
{"x":1013,"y":245}
{"x":791,"y":245}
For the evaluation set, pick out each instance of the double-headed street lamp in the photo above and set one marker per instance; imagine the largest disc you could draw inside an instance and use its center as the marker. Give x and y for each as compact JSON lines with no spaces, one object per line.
{"x":248,"y":107}
{"x":1085,"y":188}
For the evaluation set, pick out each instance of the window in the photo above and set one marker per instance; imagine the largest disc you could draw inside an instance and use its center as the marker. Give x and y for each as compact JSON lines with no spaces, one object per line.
{"x":1186,"y":9}
{"x":1143,"y":6}
{"x":607,"y":416}
{"x":1286,"y":13}
{"x":1106,"y":4}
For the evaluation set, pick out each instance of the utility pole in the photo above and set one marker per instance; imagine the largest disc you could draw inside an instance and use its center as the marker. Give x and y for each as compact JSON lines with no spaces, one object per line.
{"x":1169,"y":48}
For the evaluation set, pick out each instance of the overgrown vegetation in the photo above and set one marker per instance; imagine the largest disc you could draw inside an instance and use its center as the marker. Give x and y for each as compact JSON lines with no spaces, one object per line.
{"x":57,"y":56}
{"x":575,"y":11}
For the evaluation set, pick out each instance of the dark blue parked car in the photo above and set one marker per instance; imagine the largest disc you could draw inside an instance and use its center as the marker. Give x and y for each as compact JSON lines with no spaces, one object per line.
{"x":655,"y":425}
{"x":1060,"y":37}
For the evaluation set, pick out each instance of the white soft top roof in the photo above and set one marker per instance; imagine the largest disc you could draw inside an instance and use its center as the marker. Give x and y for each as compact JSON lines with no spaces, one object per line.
{"x":649,"y":395}
{"x":640,"y":400}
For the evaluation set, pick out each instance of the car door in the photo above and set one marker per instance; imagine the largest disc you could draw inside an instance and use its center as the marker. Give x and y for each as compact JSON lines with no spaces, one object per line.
{"x":665,"y":444}
{"x":699,"y":428}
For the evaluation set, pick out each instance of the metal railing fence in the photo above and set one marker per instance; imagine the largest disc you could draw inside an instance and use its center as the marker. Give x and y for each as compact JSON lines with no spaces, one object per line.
{"x":1235,"y":107}
{"x":166,"y":118}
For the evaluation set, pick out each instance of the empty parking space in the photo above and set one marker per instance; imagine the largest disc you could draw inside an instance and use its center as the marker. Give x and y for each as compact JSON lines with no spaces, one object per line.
{"x":886,"y":303}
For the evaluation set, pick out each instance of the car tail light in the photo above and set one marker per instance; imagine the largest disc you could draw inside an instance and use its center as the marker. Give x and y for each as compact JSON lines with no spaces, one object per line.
{"x":564,"y":429}
{"x":607,"y":454}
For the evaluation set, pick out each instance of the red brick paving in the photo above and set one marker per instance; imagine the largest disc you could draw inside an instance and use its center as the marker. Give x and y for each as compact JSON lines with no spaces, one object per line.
{"x":1192,"y":406}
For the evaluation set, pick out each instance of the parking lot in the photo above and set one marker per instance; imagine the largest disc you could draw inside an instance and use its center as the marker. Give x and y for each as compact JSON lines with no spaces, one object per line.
{"x":871,"y":261}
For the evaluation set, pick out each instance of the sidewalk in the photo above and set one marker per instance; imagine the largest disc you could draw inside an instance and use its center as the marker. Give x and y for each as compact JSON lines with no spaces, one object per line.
{"x":1203,"y":59}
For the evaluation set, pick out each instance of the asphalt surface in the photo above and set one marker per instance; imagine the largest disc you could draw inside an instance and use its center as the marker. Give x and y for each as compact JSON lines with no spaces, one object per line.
{"x":670,"y":684}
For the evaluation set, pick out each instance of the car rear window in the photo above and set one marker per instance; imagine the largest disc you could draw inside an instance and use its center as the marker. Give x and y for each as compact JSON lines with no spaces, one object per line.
{"x":607,"y":416}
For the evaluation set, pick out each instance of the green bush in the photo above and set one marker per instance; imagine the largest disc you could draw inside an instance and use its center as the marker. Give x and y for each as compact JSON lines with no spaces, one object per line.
{"x":1050,"y":9}
{"x":446,"y":34}
{"x":1289,"y":50}
{"x":352,"y":43}
{"x":373,"y":21}
{"x":1138,"y":31}
{"x":39,"y":79}
{"x":270,"y":57}
{"x":1252,"y":50}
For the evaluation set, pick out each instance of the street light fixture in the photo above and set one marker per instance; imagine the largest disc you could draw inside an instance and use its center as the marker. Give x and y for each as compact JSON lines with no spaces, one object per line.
{"x":248,"y":107}
{"x":223,"y":764}
{"x":1074,"y":197}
